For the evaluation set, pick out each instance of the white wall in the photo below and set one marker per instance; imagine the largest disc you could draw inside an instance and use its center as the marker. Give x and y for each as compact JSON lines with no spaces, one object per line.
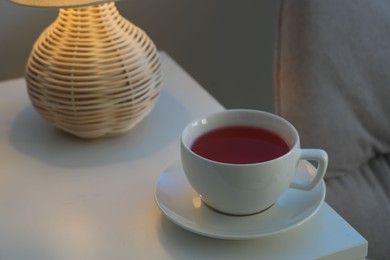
{"x":226,"y":45}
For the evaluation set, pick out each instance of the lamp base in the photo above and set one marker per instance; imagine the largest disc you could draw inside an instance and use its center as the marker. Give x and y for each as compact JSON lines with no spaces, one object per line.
{"x":92,"y":73}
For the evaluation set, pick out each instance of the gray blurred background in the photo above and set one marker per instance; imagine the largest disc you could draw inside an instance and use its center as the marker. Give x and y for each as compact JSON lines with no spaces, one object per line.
{"x":226,"y":45}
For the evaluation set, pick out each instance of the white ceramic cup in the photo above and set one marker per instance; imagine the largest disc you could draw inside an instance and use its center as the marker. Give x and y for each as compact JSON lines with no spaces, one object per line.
{"x":244,"y":189}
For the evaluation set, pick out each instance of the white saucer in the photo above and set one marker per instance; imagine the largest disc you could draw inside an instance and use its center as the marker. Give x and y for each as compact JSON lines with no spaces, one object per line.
{"x":183,"y":206}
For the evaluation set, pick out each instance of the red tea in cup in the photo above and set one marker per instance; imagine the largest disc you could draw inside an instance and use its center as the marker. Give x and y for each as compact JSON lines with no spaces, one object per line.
{"x":240,"y":145}
{"x":242,"y":139}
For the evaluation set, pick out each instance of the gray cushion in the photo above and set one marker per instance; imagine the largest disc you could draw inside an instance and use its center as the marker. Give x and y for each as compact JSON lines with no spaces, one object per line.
{"x":332,"y":81}
{"x":362,"y":197}
{"x":332,"y":75}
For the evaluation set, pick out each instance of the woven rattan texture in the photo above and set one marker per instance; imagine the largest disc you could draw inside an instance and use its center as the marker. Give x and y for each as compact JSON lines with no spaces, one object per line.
{"x":92,"y":73}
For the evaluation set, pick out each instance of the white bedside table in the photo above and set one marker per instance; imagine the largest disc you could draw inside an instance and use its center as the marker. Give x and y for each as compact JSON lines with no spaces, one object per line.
{"x":66,"y":198}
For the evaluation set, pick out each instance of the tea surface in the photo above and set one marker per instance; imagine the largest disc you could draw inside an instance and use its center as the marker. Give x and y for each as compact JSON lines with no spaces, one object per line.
{"x":240,"y":145}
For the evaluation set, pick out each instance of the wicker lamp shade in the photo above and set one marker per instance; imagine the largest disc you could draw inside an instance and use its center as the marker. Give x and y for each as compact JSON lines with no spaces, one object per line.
{"x":60,"y":3}
{"x":92,"y":73}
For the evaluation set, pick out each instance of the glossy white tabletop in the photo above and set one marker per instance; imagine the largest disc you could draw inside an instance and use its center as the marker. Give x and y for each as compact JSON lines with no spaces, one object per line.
{"x":66,"y":198}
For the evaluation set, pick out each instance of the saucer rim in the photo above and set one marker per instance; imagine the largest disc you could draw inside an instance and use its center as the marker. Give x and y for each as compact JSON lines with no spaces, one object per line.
{"x":233,"y":235}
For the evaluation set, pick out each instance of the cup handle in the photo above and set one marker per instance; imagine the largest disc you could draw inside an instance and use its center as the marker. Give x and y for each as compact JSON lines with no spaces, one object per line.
{"x":319,"y":156}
